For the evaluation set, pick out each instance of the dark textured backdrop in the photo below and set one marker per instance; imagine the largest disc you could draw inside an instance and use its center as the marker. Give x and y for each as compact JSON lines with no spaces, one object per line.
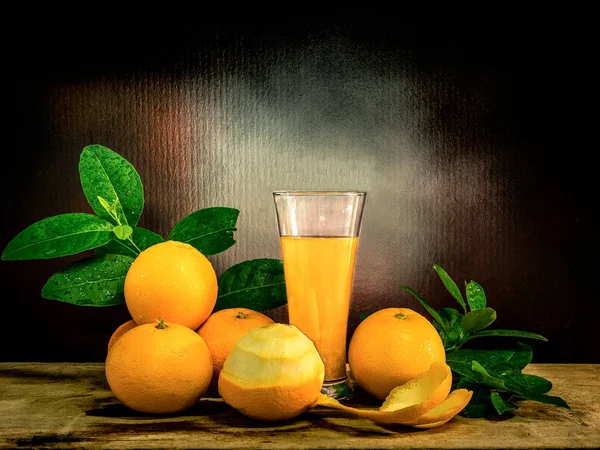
{"x":469,"y":138}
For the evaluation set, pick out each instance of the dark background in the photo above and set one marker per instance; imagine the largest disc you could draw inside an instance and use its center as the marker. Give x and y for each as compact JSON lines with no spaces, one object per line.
{"x":470,"y":131}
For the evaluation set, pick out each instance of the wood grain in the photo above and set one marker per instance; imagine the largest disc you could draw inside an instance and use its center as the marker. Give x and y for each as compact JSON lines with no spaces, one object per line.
{"x":69,"y":405}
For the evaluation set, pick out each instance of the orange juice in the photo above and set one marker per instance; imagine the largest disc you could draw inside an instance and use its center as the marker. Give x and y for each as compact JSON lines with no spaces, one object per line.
{"x":318,"y":276}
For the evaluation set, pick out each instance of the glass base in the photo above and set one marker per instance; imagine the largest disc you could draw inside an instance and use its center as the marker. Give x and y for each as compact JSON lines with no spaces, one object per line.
{"x":342,"y":389}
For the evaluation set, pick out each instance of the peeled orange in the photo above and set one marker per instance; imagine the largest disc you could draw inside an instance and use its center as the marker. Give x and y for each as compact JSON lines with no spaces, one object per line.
{"x":273,"y":373}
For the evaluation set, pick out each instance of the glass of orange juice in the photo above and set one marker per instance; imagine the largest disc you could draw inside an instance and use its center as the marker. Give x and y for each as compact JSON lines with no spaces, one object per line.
{"x":319,"y":232}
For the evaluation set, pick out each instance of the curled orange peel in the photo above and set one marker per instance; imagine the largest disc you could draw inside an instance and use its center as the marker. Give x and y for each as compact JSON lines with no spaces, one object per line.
{"x":422,"y":402}
{"x":442,"y":413}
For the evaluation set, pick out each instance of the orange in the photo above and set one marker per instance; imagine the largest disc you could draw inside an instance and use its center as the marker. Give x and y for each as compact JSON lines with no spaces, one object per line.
{"x":273,"y":373}
{"x":171,"y":280}
{"x":159,"y":368}
{"x":221,"y":331}
{"x":391,"y":347}
{"x":120,"y":331}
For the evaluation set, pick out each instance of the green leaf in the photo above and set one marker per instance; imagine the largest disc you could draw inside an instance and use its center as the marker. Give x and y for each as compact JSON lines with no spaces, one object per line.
{"x":62,"y":235}
{"x":364,"y":315}
{"x":142,"y":239}
{"x":486,"y":378}
{"x":461,"y":362}
{"x":428,"y":307}
{"x":478,"y":319}
{"x":94,"y":281}
{"x":548,"y":399}
{"x":507,"y":333}
{"x":107,"y":206}
{"x":450,"y":286}
{"x":516,"y":353}
{"x":475,"y":296}
{"x":537,"y":385}
{"x":257,"y":284}
{"x":122,"y":231}
{"x":489,"y":370}
{"x":210,"y":230}
{"x":104,"y":173}
{"x":500,"y":404}
{"x":453,"y":330}
{"x":480,"y":404}
{"x":507,"y":377}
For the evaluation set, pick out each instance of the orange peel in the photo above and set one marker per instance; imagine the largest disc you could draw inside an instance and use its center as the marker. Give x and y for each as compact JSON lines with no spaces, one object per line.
{"x":425,"y":391}
{"x":442,"y":413}
{"x":424,"y":401}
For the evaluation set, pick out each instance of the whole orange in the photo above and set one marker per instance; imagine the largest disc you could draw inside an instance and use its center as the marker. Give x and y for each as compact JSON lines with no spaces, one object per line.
{"x":120,"y":331}
{"x":391,"y":347}
{"x":159,"y":368}
{"x":222,"y":330}
{"x":171,"y":280}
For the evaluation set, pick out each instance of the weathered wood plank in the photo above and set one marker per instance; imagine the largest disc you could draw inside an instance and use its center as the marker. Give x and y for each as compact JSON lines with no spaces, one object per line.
{"x":69,"y":405}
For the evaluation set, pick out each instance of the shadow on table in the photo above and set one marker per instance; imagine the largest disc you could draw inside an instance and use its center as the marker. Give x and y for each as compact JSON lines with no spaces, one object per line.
{"x":116,"y":409}
{"x":211,"y":413}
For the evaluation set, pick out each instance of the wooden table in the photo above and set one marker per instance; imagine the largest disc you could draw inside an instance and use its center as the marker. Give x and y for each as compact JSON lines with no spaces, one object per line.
{"x":69,"y":405}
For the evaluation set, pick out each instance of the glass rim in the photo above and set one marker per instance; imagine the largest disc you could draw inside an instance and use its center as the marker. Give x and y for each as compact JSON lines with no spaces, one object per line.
{"x":319,"y":193}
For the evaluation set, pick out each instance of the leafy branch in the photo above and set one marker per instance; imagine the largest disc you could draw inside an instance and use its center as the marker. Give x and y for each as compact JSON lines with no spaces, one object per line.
{"x":115,"y":192}
{"x":493,"y":374}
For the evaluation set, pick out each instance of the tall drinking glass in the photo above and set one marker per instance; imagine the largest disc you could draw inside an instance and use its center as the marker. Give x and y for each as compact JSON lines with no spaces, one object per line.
{"x":319,"y":233}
